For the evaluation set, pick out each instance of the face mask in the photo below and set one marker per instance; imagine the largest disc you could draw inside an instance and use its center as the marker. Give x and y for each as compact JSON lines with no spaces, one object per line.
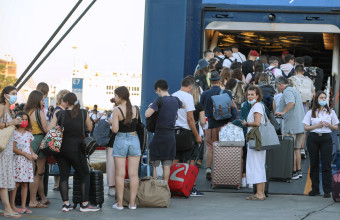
{"x":24,"y":124}
{"x":252,"y":102}
{"x":12,"y":99}
{"x":322,"y":103}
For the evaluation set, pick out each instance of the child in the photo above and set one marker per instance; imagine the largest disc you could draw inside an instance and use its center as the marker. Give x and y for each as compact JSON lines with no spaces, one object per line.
{"x":22,"y":162}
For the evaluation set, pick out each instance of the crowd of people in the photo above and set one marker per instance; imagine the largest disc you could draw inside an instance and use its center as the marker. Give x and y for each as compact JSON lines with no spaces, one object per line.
{"x":258,"y":86}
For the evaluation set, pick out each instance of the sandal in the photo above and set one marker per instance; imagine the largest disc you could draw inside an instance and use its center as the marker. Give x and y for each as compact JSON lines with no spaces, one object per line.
{"x":20,"y":211}
{"x":38,"y":205}
{"x":2,"y":212}
{"x":257,"y":198}
{"x":14,"y":215}
{"x":250,"y":197}
{"x":27,"y":211}
{"x":46,"y":202}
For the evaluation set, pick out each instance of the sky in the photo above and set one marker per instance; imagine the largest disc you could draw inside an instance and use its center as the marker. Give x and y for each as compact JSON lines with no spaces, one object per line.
{"x":109,"y":37}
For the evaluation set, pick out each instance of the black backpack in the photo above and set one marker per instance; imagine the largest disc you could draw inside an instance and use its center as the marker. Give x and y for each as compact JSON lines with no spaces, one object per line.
{"x":152,"y":120}
{"x":201,"y":80}
{"x":219,"y":64}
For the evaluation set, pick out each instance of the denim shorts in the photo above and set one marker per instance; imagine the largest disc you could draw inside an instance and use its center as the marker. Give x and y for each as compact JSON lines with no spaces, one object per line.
{"x":126,"y":144}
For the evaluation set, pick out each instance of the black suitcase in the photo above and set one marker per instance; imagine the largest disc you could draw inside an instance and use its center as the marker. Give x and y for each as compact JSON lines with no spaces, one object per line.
{"x":281,"y":160}
{"x":266,"y":187}
{"x":96,"y":196}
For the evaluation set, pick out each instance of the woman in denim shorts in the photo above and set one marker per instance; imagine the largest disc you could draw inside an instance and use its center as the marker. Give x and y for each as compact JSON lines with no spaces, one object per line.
{"x":126,"y":144}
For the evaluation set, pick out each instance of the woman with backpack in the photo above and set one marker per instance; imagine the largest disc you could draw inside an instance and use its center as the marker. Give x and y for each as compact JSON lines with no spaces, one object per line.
{"x":74,"y":121}
{"x":34,"y":108}
{"x":320,"y":121}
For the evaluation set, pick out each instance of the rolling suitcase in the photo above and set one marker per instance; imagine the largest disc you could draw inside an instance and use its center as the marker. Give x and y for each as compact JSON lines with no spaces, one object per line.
{"x":183,"y":176}
{"x":96,"y":195}
{"x":227,"y":165}
{"x":281,"y":159}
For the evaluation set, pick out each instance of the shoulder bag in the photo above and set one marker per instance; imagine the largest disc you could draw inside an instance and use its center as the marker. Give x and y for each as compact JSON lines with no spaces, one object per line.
{"x":89,"y":145}
{"x":51,"y":144}
{"x":5,"y":134}
{"x":141,"y":132}
{"x":269,"y":138}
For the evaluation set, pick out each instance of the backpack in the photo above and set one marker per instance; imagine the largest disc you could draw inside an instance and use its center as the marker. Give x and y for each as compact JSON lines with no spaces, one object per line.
{"x":101,"y":133}
{"x":201,"y":80}
{"x":316,"y":75}
{"x":303,"y":85}
{"x":238,"y":93}
{"x":336,"y":186}
{"x":152,"y":120}
{"x":270,"y":72}
{"x":219,"y":64}
{"x":221,"y":106}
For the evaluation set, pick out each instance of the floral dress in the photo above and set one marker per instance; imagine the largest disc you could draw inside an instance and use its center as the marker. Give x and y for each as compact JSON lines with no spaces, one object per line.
{"x":23,"y":167}
{"x":6,"y":162}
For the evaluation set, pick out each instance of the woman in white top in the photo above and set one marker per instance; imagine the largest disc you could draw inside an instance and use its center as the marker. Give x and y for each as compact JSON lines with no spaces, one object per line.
{"x":255,"y":164}
{"x":320,"y":121}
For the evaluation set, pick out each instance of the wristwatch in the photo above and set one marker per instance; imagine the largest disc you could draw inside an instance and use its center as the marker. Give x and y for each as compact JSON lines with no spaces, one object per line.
{"x":247,"y":124}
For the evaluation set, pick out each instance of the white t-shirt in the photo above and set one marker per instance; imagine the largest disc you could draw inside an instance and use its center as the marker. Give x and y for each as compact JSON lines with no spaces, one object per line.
{"x":249,"y":77}
{"x":322,"y":116}
{"x":277,"y":72}
{"x":188,"y":100}
{"x":240,"y":57}
{"x":227,"y":62}
{"x":94,"y":116}
{"x":258,"y":107}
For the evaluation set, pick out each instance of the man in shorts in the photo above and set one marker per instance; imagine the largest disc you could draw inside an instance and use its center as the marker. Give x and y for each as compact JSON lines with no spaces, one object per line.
{"x":163,"y":144}
{"x":293,"y":114}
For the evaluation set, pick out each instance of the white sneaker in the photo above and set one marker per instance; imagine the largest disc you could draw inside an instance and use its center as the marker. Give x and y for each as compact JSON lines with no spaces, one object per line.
{"x":133,"y":208}
{"x":115,"y":206}
{"x":112,"y":192}
{"x":244,"y":182}
{"x":250,"y":186}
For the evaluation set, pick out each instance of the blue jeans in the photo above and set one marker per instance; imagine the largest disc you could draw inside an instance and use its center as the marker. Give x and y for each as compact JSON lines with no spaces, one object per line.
{"x":126,"y":144}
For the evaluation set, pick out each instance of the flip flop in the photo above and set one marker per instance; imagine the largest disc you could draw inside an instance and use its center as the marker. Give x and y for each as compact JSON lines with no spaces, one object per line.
{"x":38,"y":205}
{"x":27,"y":211}
{"x":2,"y":212}
{"x":257,"y":198}
{"x":14,"y":215}
{"x":21,"y":211}
{"x":46,"y":203}
{"x":250,"y":197}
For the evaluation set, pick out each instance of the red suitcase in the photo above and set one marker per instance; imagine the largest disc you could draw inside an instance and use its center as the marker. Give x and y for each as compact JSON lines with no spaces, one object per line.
{"x":183,"y":177}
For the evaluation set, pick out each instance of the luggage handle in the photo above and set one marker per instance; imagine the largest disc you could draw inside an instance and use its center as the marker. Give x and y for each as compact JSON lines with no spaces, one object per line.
{"x":200,"y":147}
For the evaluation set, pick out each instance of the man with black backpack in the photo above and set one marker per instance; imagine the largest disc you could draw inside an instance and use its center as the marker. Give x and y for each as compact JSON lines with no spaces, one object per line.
{"x":219,"y":57}
{"x":229,"y":59}
{"x":214,"y":124}
{"x":163,"y":114}
{"x":314,"y":73}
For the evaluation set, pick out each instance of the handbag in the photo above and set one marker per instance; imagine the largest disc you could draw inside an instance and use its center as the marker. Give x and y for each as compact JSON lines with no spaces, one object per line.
{"x":5,"y":135}
{"x":51,"y":144}
{"x":151,"y":193}
{"x":269,"y":138}
{"x":184,"y":139}
{"x":141,"y":132}
{"x":89,"y":145}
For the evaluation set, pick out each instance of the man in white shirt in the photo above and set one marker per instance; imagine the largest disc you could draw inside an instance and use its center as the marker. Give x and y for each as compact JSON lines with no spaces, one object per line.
{"x":238,"y":55}
{"x":274,"y":66}
{"x":229,"y":59}
{"x":185,"y":120}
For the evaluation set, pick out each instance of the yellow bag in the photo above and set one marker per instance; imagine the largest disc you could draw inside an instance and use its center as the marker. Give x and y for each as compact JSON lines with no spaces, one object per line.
{"x":5,"y":136}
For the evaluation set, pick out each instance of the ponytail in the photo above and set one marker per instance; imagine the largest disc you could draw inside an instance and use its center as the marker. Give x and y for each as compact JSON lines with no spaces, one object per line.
{"x":128,"y":118}
{"x":75,"y":110}
{"x":71,"y":99}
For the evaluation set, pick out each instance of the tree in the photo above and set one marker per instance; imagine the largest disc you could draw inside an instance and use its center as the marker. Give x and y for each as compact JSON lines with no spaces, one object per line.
{"x":5,"y":81}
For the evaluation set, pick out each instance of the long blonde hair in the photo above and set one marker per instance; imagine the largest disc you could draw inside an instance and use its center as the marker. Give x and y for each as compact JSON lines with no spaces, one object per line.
{"x":196,"y":93}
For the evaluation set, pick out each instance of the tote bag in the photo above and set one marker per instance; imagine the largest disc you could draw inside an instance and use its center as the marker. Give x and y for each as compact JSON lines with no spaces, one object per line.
{"x":269,"y":138}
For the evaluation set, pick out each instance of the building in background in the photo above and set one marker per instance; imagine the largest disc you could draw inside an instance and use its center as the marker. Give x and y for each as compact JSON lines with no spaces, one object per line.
{"x":8,"y":73}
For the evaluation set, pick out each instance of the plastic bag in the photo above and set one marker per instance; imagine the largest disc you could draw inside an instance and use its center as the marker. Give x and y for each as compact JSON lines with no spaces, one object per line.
{"x":231,"y":135}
